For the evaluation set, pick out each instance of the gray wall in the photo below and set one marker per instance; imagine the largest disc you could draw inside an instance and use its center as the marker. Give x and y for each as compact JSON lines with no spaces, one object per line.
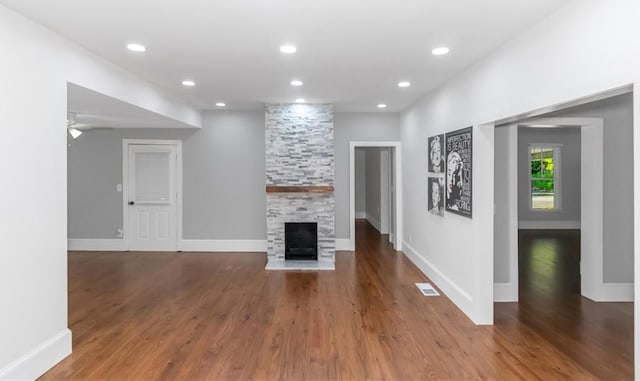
{"x":569,"y":172}
{"x":501,"y":180}
{"x":351,"y":126}
{"x":223,"y":178}
{"x":372,"y":181}
{"x":617,"y":113}
{"x":360,"y":185}
{"x":224,"y":174}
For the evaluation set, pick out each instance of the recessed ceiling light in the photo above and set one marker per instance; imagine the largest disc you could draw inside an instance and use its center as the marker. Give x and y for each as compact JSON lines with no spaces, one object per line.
{"x":440,"y":51}
{"x":296,"y":82}
{"x":300,"y":100}
{"x":288,"y":49}
{"x":188,"y":83}
{"x":382,"y":105}
{"x":221,"y":104}
{"x":404,"y":84}
{"x":136,"y":47}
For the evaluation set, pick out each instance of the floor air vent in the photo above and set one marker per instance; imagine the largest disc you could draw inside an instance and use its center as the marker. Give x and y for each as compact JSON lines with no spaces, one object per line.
{"x":427,"y":289}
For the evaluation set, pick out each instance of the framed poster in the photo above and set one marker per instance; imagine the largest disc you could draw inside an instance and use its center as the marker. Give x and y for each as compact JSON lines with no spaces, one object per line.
{"x":435,"y":162}
{"x":458,"y":146}
{"x":435,"y":195}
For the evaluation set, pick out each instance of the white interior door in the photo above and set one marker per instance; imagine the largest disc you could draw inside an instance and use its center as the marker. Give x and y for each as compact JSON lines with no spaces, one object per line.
{"x":152,"y":197}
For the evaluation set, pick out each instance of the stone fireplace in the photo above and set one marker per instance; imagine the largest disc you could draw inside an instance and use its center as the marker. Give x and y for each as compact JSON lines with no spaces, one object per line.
{"x":300,"y":174}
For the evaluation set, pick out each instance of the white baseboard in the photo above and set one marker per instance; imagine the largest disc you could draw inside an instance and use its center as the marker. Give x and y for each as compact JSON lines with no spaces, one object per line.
{"x":188,"y":245}
{"x":223,"y":245}
{"x":343,"y":244}
{"x":454,"y":292}
{"x":76,"y":244}
{"x":361,"y":215}
{"x":505,"y":292}
{"x":42,"y":358}
{"x":548,"y":224}
{"x":617,"y":292}
{"x":376,"y":224}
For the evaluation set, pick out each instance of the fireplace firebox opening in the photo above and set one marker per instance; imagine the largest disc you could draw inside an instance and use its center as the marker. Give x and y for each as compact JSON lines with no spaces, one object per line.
{"x":300,"y":241}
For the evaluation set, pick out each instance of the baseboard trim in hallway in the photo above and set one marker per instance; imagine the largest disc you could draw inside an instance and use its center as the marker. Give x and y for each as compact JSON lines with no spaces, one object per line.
{"x":454,"y":292}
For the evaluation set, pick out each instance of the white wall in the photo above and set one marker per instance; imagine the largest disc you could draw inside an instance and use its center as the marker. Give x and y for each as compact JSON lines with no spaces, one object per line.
{"x":457,"y":252}
{"x":361,"y":195}
{"x":34,"y":70}
{"x":569,"y":175}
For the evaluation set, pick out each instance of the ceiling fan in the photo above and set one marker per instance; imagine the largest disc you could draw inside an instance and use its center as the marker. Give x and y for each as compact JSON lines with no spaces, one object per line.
{"x":74,"y":128}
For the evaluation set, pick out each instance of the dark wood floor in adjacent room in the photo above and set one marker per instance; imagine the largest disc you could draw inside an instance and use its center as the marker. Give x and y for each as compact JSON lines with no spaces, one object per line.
{"x":154,"y":316}
{"x":598,"y":336}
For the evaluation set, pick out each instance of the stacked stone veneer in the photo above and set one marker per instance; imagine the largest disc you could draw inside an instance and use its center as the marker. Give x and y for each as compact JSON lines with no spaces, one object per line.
{"x":300,"y":151}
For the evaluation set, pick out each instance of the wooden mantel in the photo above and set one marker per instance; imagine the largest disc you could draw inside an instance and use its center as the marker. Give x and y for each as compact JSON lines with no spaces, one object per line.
{"x":300,"y":189}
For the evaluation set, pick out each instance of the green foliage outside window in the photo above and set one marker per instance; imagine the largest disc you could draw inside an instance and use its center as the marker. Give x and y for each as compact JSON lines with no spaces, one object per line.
{"x":542,"y":175}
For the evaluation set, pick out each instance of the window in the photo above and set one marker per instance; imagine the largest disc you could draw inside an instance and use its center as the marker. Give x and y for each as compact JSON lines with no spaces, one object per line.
{"x":544,"y":180}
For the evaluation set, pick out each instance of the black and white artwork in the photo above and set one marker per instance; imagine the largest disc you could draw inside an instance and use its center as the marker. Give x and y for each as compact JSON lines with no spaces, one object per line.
{"x":435,"y":196}
{"x":458,"y":151}
{"x":436,"y":154}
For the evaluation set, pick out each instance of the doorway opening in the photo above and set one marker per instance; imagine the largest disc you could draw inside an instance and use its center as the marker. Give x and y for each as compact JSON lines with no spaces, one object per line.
{"x":563,"y":231}
{"x":549,"y":171}
{"x":375,"y":176}
{"x":373,"y":183}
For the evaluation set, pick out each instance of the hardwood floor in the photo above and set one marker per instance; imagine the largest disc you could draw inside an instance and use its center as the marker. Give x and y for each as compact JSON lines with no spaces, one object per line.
{"x":203,"y":316}
{"x":598,"y":336}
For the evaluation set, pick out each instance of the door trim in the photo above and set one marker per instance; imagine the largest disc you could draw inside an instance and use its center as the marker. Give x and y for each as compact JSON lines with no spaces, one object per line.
{"x":125,"y":184}
{"x":592,"y":205}
{"x":396,"y":154}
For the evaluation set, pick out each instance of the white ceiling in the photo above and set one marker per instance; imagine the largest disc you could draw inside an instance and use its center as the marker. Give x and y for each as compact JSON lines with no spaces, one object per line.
{"x":350,"y":52}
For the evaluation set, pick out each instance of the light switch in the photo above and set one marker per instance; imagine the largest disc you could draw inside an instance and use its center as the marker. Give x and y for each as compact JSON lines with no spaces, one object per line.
{"x":119,"y":188}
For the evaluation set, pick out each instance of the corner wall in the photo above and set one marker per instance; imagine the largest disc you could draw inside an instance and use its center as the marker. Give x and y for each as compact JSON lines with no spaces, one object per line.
{"x":455,"y":251}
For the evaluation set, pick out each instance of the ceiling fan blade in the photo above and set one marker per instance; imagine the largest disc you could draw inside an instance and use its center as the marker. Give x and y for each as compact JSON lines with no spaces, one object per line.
{"x":75,"y":133}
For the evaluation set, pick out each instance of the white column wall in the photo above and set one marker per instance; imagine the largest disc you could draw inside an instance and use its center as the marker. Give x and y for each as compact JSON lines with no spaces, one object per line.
{"x":35,"y":67}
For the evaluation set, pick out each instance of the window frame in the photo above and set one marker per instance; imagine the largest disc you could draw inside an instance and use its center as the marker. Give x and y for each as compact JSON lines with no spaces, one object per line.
{"x":557,"y":176}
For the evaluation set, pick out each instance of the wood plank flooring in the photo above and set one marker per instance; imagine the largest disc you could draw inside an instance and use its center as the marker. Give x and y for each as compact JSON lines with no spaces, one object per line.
{"x":205,"y":316}
{"x":598,"y":336}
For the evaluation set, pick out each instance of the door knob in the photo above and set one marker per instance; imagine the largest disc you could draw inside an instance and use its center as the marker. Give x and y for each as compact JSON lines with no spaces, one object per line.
{"x":131,"y":203}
